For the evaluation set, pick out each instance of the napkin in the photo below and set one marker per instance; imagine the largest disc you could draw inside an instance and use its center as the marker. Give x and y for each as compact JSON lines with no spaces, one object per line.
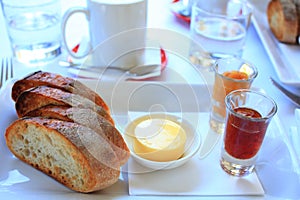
{"x":277,"y":166}
{"x":196,"y":177}
{"x":294,"y":134}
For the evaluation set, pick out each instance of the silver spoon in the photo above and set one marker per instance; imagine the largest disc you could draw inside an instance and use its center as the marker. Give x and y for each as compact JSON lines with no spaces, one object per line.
{"x":138,"y":70}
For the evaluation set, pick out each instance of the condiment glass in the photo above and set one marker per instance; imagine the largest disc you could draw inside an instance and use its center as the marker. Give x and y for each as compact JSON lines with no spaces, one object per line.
{"x":230,"y":74}
{"x":248,"y":114}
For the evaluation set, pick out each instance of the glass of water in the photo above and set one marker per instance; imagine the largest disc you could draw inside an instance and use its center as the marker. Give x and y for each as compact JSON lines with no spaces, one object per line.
{"x":34,"y":29}
{"x":219,"y":27}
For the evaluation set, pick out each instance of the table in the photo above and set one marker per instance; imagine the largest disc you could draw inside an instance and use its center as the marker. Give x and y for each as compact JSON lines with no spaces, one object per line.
{"x":160,"y":16}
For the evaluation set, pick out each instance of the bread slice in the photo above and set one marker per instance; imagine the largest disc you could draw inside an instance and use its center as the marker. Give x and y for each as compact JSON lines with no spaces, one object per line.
{"x":297,"y":4}
{"x":283,"y":20}
{"x":74,"y":155}
{"x":40,"y":96}
{"x":88,"y":118}
{"x":57,"y":81}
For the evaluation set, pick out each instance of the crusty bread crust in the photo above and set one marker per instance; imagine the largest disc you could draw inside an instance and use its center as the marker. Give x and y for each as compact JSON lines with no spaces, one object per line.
{"x":297,"y":4}
{"x":65,"y":134}
{"x":283,"y":20}
{"x":73,"y":154}
{"x":40,"y":96}
{"x":88,"y":118}
{"x":40,"y":78}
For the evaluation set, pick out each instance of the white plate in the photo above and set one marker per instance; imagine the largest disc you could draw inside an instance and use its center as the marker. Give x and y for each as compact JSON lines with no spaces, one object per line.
{"x":192,"y":146}
{"x":21,"y":181}
{"x":284,"y":57}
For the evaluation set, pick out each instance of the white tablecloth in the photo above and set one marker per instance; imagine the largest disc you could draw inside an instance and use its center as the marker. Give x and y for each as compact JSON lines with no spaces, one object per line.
{"x":160,"y":16}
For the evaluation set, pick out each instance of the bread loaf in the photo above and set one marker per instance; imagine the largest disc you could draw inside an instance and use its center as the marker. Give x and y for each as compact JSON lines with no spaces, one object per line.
{"x":88,"y":118}
{"x":297,"y":4}
{"x":74,"y":155}
{"x":40,"y":96}
{"x":57,"y":81}
{"x":65,"y":134}
{"x":283,"y":20}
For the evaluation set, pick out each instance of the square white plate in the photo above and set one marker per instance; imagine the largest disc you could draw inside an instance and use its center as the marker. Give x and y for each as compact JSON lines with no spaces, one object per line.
{"x":202,"y":177}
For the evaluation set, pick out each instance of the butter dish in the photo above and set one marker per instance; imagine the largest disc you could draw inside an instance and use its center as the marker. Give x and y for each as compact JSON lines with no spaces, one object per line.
{"x":192,"y":145}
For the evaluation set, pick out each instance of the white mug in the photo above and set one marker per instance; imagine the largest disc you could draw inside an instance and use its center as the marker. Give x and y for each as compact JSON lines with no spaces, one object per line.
{"x":107,"y":18}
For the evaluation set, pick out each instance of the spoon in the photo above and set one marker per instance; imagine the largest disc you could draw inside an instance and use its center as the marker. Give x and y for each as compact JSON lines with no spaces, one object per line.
{"x":135,"y":73}
{"x":137,"y":70}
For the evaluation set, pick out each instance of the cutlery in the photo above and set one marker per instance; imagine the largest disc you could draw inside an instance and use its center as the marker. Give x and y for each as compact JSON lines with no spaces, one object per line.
{"x":293,"y":97}
{"x":6,"y":70}
{"x":138,"y":70}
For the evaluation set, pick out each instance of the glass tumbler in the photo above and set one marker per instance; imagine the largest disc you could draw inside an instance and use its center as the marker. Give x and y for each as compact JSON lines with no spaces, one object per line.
{"x":248,"y":116}
{"x":230,"y":74}
{"x":34,"y":29}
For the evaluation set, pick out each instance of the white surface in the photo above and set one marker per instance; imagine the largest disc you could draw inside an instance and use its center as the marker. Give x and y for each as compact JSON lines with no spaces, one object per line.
{"x":285,"y":57}
{"x":279,"y":183}
{"x":197,"y":177}
{"x":193,"y":141}
{"x":206,"y":177}
{"x":295,"y":135}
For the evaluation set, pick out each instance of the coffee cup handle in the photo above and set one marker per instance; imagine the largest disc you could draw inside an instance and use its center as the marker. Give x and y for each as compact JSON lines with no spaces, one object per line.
{"x":65,"y":19}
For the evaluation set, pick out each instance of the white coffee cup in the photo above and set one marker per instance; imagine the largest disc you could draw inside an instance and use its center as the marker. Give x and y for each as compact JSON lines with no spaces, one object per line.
{"x":107,"y":18}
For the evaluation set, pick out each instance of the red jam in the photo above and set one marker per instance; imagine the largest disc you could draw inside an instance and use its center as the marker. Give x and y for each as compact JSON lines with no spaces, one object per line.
{"x":244,"y":137}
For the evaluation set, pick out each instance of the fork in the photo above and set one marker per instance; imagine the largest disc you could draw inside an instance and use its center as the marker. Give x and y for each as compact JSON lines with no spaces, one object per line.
{"x":6,"y":70}
{"x":293,"y":97}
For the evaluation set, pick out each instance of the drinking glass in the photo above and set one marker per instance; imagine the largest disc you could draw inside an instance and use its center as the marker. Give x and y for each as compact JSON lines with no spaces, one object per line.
{"x":248,"y":116}
{"x":219,"y":27}
{"x":230,"y":74}
{"x":34,"y":29}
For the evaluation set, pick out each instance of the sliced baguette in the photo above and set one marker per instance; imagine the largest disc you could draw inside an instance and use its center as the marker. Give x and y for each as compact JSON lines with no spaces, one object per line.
{"x":297,"y":4}
{"x":74,"y":155}
{"x":40,"y":96}
{"x":57,"y":81}
{"x":91,"y":119}
{"x":283,"y":20}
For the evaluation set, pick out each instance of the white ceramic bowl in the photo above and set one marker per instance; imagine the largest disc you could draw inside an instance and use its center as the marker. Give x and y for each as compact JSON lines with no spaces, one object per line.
{"x":193,"y":142}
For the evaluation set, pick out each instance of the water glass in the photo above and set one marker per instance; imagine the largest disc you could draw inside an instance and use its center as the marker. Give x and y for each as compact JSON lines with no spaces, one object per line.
{"x":248,"y":116}
{"x":34,"y":29}
{"x":219,"y":27}
{"x":230,"y":74}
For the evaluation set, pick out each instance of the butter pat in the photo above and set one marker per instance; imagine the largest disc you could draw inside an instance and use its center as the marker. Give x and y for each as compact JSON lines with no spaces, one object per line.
{"x":159,"y":140}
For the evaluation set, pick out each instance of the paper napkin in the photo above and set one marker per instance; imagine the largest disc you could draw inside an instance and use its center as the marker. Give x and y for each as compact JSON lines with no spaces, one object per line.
{"x":295,"y":134}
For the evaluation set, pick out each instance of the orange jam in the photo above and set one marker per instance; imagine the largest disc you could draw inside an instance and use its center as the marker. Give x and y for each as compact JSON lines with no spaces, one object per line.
{"x":226,"y":83}
{"x":236,"y":75}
